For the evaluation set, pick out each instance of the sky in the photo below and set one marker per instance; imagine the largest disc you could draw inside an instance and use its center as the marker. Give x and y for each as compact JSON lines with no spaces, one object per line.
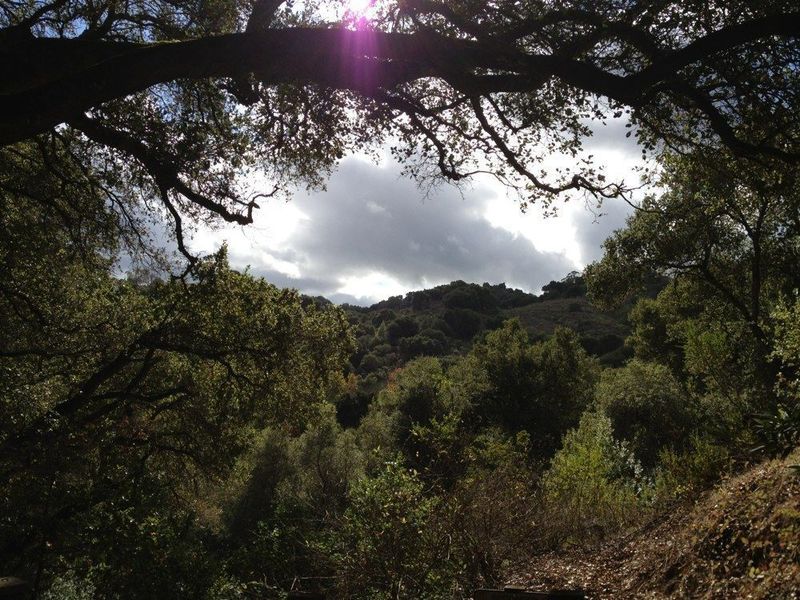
{"x":373,"y":234}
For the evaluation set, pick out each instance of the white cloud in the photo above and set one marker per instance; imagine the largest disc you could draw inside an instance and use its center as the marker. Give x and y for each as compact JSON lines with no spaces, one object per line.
{"x":370,"y":286}
{"x":370,"y":235}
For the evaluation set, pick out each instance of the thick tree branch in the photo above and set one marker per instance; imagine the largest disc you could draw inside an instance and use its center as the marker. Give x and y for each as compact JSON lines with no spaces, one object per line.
{"x":364,"y":61}
{"x":262,"y":15}
{"x":784,"y":25}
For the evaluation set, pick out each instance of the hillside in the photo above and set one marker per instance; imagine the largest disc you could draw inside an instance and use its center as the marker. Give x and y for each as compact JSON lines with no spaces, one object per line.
{"x":447,"y":319}
{"x":602,"y":333}
{"x":740,"y":540}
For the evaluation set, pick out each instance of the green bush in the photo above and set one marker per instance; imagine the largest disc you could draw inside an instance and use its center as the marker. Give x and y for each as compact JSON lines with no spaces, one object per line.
{"x":778,"y":429}
{"x":463,"y":322}
{"x":682,"y":474}
{"x":540,"y":388}
{"x":377,"y":437}
{"x":470,"y":296}
{"x":401,"y":328}
{"x":421,"y":345}
{"x":69,"y":586}
{"x":285,"y":494}
{"x":390,"y":544}
{"x":369,"y":363}
{"x":593,"y":487}
{"x":647,"y":407}
{"x":492,"y":515}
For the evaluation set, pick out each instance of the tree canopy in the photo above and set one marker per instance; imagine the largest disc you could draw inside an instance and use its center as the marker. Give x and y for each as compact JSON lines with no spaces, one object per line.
{"x":211,"y":436}
{"x":179,"y":100}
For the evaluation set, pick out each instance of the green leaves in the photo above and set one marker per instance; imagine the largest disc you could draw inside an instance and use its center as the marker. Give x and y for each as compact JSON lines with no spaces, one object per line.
{"x":778,"y":430}
{"x":392,"y":544}
{"x":593,"y":484}
{"x":648,"y":408}
{"x":125,"y":398}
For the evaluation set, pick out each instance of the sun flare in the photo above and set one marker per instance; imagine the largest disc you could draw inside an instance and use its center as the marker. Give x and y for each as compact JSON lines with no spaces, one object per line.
{"x":359,"y":7}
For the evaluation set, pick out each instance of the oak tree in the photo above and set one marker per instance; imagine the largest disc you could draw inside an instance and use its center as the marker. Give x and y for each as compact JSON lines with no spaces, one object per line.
{"x":177,"y":100}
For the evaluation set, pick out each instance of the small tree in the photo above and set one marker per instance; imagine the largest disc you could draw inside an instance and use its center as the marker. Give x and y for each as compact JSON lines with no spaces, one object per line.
{"x":647,"y":408}
{"x":593,"y":484}
{"x":391,"y":544}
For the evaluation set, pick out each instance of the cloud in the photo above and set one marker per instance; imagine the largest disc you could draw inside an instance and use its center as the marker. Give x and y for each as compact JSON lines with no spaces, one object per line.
{"x":371,"y":235}
{"x":615,"y":135}
{"x":593,"y":227}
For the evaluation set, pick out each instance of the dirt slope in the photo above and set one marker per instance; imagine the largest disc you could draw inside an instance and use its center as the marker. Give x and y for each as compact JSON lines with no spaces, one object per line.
{"x":741,"y":540}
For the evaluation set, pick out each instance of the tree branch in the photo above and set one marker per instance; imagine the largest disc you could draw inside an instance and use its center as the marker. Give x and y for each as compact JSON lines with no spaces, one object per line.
{"x":364,"y":61}
{"x":164,"y":172}
{"x":262,"y":15}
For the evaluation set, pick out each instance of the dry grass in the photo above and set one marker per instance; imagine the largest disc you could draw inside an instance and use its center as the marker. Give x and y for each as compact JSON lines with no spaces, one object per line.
{"x":740,"y":540}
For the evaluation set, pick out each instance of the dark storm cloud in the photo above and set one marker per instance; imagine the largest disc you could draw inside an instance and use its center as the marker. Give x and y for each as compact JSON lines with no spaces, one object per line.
{"x":370,"y":220}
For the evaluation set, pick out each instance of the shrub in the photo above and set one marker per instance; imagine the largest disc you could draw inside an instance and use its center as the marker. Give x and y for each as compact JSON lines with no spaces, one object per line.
{"x":390,"y":544}
{"x":594,"y":485}
{"x":540,"y":388}
{"x":470,"y":296}
{"x":403,"y":327}
{"x":682,"y":474}
{"x":463,"y":322}
{"x":421,"y":345}
{"x":369,"y":363}
{"x":778,"y":429}
{"x":493,"y":508}
{"x":325,"y":460}
{"x":69,"y":586}
{"x":647,"y":407}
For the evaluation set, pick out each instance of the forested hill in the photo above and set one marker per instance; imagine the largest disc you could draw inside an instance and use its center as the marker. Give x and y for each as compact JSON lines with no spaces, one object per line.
{"x":446,"y":319}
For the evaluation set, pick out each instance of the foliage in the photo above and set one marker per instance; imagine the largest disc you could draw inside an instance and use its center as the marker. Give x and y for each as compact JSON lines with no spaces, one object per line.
{"x":401,"y":328}
{"x":414,"y":392}
{"x":787,"y":348}
{"x":68,"y":586}
{"x":571,"y":286}
{"x":539,"y":388}
{"x":444,"y":330}
{"x":290,"y":492}
{"x":239,"y":85}
{"x":656,"y":334}
{"x":725,"y":230}
{"x":494,"y":508}
{"x":463,"y":322}
{"x":326,"y":460}
{"x":122,"y":401}
{"x":779,"y":430}
{"x":179,"y":438}
{"x":594,"y":485}
{"x":251,"y":490}
{"x":684,"y":473}
{"x":647,"y":407}
{"x":390,"y":545}
{"x":721,"y":222}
